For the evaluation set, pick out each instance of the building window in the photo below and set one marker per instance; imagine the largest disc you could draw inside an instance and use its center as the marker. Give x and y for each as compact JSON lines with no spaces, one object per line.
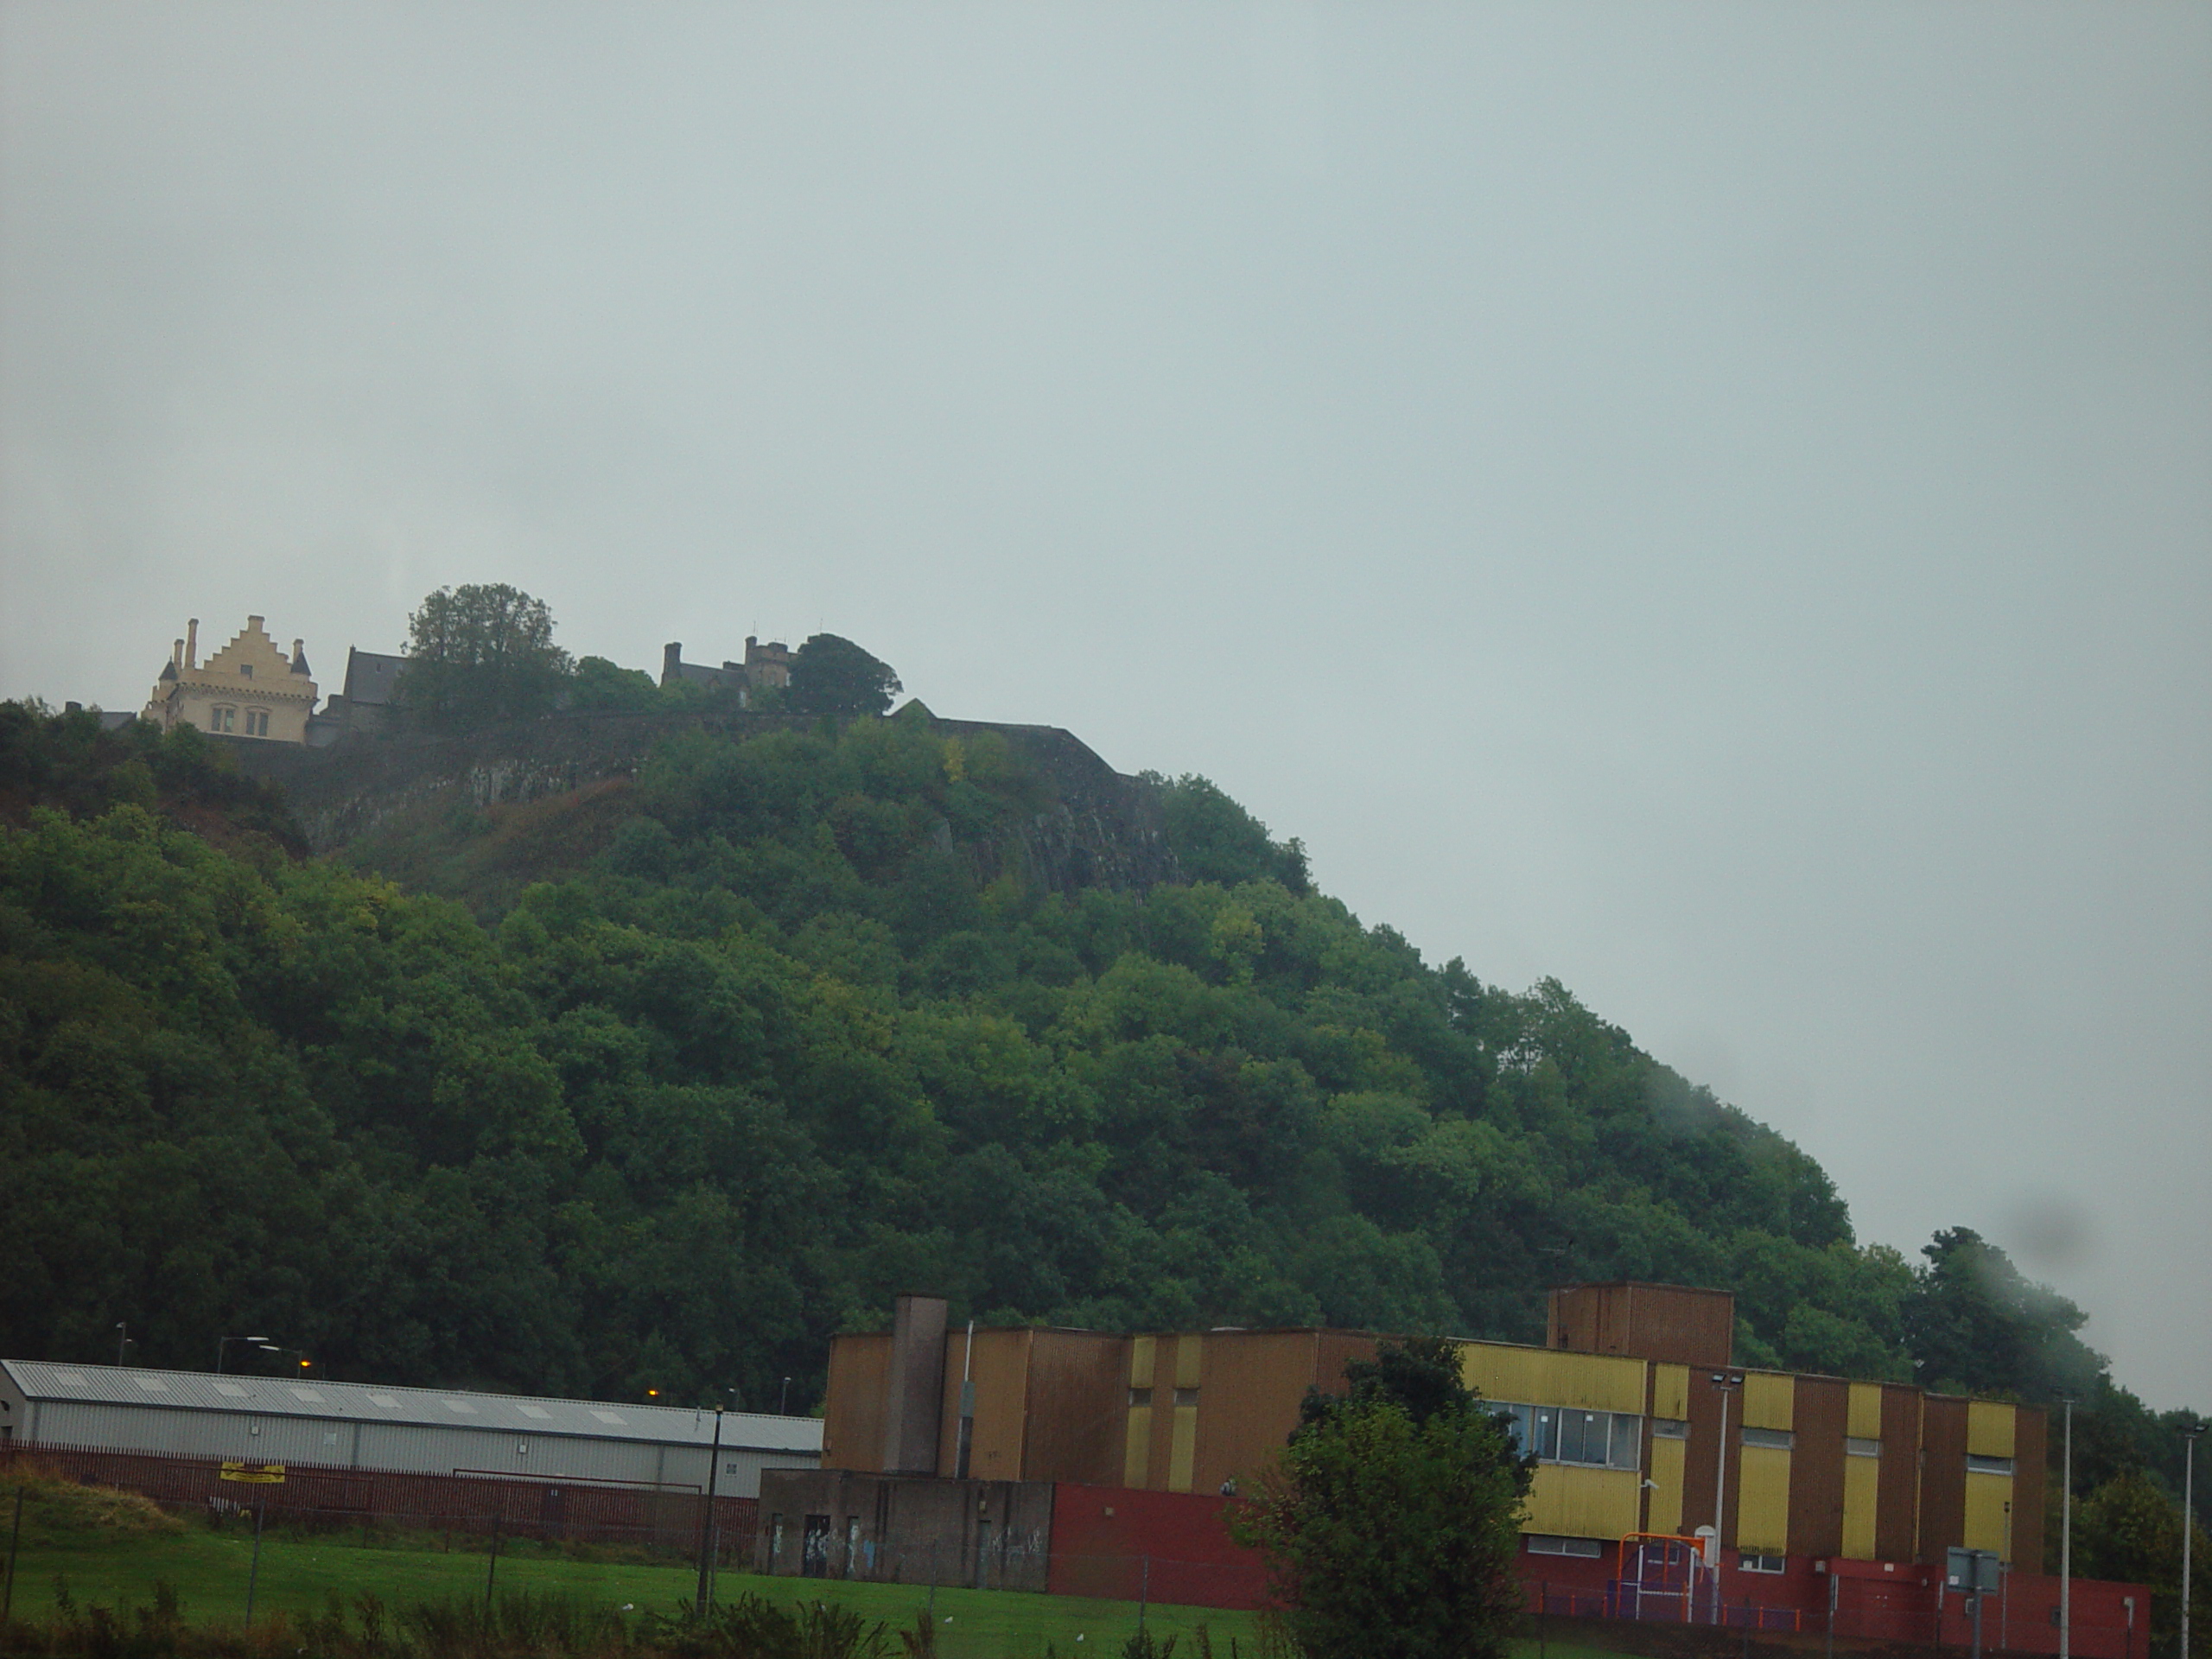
{"x":1669,"y":1428}
{"x":1761,"y":1563}
{"x":1859,"y":1446}
{"x":1140,"y":1399}
{"x":1989,"y":1466}
{"x":222,"y":720}
{"x":245,"y":670}
{"x":1780,"y":1439}
{"x":1186,"y":1396}
{"x":1599,"y":1439}
{"x":1546,"y":1543}
{"x":257,"y":722}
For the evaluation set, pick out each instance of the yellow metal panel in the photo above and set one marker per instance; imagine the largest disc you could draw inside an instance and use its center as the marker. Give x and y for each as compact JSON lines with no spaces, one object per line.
{"x":1861,"y":1476}
{"x":1136,"y":1453}
{"x":1142,"y":1355}
{"x":1582,"y":1502}
{"x":1670,"y":1392}
{"x":1770,"y":1400}
{"x":1989,"y":1433}
{"x":1189,"y":1351}
{"x":1866,"y":1411}
{"x":1182,"y":1450}
{"x":1989,"y":1517}
{"x":1666,"y":1457}
{"x":1552,"y":1377}
{"x":1762,"y":1502}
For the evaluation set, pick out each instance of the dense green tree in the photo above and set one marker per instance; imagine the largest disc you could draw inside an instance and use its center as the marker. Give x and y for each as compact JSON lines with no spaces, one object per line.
{"x":1975,"y":1324}
{"x":602,"y":687}
{"x":2129,"y":1529}
{"x":1391,"y":1524}
{"x":830,"y":675}
{"x":477,"y":654}
{"x":788,"y":1025}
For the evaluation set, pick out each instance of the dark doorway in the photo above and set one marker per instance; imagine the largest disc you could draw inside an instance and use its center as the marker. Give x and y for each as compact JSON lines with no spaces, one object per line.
{"x":814,"y":1547}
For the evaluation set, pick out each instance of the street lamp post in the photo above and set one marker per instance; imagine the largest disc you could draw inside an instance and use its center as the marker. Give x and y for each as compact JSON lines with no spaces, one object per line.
{"x":2189,"y":1437}
{"x":2066,"y":1539}
{"x":1723,"y":1381}
{"x":222,"y":1345}
{"x":707,"y":1529}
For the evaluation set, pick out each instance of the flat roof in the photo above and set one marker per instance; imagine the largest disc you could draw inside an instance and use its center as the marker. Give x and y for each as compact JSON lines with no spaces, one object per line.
{"x":507,"y":1413}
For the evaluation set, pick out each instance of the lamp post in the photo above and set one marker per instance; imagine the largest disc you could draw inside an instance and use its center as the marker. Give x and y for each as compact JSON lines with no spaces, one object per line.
{"x":222,"y":1345}
{"x":2066,"y":1538}
{"x":1723,"y":1381}
{"x":707,"y":1543}
{"x":2189,"y":1437}
{"x":122,"y":1342}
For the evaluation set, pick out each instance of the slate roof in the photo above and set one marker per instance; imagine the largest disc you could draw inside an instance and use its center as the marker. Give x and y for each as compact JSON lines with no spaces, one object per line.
{"x":47,"y":1380}
{"x":370,"y":677}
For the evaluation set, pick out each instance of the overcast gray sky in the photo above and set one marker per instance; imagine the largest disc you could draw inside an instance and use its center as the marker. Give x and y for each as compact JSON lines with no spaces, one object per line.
{"x":1713,"y":503}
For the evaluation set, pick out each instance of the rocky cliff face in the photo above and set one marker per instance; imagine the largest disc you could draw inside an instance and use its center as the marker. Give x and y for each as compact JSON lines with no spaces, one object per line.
{"x":1103,"y":830}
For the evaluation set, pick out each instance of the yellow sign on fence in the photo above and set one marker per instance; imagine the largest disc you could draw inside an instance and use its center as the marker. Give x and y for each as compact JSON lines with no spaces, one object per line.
{"x":261,"y":1474}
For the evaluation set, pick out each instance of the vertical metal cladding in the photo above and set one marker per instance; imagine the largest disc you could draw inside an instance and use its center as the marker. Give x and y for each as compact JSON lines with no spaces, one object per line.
{"x":1763,"y":1438}
{"x":853,"y":1416}
{"x":2030,"y":1427}
{"x":1674,"y":1323}
{"x":1862,"y":1469}
{"x":1989,"y":1466}
{"x":1667,"y":1459}
{"x":1896,"y":1509}
{"x":1183,"y":1439}
{"x":1077,"y":1406}
{"x":1252,"y":1384}
{"x":997,"y":1367}
{"x":1136,"y":1458}
{"x":1816,"y":1465}
{"x":1943,"y":1476}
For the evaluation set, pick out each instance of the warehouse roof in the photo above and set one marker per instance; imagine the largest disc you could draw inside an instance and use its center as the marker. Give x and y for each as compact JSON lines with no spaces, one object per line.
{"x":44,"y":1379}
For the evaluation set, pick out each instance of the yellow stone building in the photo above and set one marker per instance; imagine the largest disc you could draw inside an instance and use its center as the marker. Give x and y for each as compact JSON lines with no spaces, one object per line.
{"x":248,"y":689}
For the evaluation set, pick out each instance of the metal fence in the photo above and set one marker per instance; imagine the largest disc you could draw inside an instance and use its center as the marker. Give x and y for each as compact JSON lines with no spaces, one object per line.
{"x":1927,"y":1623}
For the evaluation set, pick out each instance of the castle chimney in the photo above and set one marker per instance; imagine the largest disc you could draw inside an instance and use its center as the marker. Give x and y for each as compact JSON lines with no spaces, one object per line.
{"x":176,"y":654}
{"x":191,"y":643}
{"x":254,"y":622}
{"x":672,"y":663}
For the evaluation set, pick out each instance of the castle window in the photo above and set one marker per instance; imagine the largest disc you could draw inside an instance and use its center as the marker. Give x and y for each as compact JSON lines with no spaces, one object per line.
{"x":257,"y":722}
{"x":245,"y":670}
{"x":222,"y":720}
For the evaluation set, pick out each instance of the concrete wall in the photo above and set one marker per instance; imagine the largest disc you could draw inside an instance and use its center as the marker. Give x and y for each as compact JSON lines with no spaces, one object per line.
{"x":993,"y":1535}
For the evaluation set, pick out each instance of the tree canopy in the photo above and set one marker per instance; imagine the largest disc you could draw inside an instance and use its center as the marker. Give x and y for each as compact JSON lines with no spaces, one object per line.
{"x":830,"y":675}
{"x":660,"y":1083}
{"x":479,"y":654}
{"x":1391,"y":1524}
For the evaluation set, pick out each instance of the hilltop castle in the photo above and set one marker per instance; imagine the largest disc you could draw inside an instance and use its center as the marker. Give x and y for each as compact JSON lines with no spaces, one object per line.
{"x":248,"y":689}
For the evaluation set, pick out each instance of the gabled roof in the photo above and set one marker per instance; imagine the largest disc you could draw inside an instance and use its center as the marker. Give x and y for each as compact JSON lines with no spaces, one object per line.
{"x":507,"y":1413}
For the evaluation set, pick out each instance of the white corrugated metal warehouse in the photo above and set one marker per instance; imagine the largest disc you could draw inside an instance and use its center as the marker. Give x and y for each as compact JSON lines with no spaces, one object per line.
{"x":416,"y":1431}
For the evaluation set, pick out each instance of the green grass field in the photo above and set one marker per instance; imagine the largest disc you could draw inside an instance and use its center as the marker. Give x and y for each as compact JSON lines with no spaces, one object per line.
{"x":209,"y":1573}
{"x":209,"y":1570}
